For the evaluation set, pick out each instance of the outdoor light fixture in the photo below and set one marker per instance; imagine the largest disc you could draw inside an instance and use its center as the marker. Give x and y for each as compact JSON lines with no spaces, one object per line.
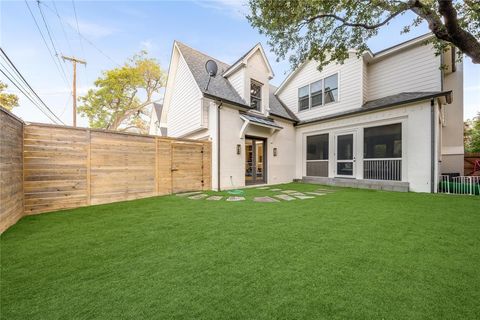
{"x":274,"y":152}
{"x":239,"y":148}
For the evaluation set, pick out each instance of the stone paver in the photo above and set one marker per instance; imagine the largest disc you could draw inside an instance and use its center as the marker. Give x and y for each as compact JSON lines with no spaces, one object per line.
{"x":235,"y":198}
{"x":186,"y":194}
{"x":214,"y":198}
{"x":305,"y":197}
{"x":297,"y":194}
{"x":285,"y":197}
{"x":289,"y":191}
{"x":263,"y":188}
{"x":316,"y":193}
{"x":275,"y":190}
{"x":264,"y":199}
{"x":198,"y":196}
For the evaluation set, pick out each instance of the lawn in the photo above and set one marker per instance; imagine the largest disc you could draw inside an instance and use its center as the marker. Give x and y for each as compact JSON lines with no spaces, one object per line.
{"x":356,"y":254}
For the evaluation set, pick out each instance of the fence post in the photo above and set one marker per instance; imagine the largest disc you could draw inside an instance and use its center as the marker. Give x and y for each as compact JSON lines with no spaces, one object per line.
{"x":89,"y":152}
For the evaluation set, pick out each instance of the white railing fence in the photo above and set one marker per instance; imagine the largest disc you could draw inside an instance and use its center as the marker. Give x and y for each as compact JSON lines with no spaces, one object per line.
{"x":469,"y":185}
{"x":382,"y":169}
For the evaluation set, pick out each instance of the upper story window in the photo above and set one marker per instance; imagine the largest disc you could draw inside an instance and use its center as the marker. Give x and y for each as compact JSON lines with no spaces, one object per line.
{"x":318,"y":93}
{"x":303,"y":98}
{"x":331,"y":89}
{"x":256,"y":95}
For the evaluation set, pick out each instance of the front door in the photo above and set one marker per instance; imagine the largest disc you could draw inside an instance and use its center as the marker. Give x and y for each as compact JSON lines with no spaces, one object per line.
{"x":344,"y":155}
{"x":255,"y":161}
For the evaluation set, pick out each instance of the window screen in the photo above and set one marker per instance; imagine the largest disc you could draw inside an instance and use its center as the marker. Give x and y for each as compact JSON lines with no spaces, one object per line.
{"x":383,"y":141}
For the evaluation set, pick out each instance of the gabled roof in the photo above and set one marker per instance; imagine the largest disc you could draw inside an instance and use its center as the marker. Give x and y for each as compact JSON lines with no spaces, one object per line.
{"x":383,"y":103}
{"x":219,"y":86}
{"x":243,"y":60}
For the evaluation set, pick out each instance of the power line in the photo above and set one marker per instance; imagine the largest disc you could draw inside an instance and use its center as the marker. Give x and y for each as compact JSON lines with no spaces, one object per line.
{"x":78,"y":28}
{"x":51,"y":39}
{"x":29,"y":86}
{"x":63,"y":28}
{"x":85,"y":38}
{"x":45,"y":42}
{"x":28,"y":97}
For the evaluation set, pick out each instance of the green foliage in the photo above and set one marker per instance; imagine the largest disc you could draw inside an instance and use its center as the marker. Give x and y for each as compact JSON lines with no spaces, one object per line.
{"x":325,"y":30}
{"x":472,"y":134}
{"x":121,"y":95}
{"x":353,"y":254}
{"x":7,"y":100}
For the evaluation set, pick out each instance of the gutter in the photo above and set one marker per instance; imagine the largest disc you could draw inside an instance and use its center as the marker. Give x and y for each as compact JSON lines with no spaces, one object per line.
{"x":447,"y":94}
{"x":432,"y":145}
{"x":219,"y":106}
{"x":215,"y":98}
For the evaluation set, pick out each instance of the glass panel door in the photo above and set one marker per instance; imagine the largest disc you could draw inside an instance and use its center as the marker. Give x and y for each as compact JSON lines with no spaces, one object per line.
{"x":345,"y":158}
{"x":254,"y":161}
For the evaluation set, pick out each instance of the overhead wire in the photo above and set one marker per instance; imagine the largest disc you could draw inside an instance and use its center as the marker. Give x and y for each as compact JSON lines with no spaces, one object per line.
{"x":13,"y":67}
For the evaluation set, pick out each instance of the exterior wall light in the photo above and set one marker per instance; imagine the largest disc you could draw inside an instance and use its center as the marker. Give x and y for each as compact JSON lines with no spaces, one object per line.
{"x":275,"y":152}
{"x":239,"y":149}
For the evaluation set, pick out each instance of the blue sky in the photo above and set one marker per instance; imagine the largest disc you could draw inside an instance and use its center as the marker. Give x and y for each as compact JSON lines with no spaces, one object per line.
{"x":117,"y":29}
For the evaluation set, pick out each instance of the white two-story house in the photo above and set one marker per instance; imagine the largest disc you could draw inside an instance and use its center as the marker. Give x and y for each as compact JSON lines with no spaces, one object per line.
{"x":390,"y":120}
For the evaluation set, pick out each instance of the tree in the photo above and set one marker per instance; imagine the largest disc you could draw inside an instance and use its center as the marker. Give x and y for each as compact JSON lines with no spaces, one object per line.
{"x":472,"y":134}
{"x":7,"y":100}
{"x":324,"y":30}
{"x":121,"y":95}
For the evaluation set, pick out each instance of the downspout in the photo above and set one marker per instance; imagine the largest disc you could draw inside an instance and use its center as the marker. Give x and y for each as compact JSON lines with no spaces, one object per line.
{"x":219,"y":106}
{"x":432,"y":145}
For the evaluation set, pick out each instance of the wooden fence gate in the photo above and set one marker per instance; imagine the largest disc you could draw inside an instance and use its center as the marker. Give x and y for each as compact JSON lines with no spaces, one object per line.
{"x":187,"y":167}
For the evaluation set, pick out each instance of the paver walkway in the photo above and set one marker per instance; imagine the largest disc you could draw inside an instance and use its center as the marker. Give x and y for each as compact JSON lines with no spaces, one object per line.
{"x":285,"y":195}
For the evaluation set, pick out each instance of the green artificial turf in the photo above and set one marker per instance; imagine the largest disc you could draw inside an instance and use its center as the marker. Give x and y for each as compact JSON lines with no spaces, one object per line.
{"x":352,"y":254}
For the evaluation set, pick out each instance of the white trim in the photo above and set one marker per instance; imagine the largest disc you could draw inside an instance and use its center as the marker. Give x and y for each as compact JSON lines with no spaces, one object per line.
{"x":243,"y":62}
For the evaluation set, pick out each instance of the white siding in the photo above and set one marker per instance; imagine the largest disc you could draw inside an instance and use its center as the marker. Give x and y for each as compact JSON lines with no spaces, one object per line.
{"x":412,"y":70}
{"x":237,"y":80}
{"x":365,"y":82}
{"x":349,"y":87}
{"x":185,"y":110}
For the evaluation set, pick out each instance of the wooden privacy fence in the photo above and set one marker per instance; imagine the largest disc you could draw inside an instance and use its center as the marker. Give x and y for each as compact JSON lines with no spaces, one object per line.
{"x":66,"y":167}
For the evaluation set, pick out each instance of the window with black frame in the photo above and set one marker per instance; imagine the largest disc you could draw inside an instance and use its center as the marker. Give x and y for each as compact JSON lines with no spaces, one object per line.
{"x":331,"y":89}
{"x":256,"y":95}
{"x":303,"y":98}
{"x":317,"y":155}
{"x":316,"y":94}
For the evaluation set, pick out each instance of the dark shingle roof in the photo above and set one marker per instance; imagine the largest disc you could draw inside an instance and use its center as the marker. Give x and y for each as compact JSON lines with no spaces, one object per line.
{"x":382,"y":103}
{"x":158,"y":110}
{"x":277,"y":108}
{"x":220,"y":87}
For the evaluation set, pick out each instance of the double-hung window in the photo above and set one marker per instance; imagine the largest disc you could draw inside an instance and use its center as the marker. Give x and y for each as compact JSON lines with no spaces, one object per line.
{"x":303,"y":98}
{"x":256,"y":95}
{"x":331,"y":89}
{"x":318,"y":93}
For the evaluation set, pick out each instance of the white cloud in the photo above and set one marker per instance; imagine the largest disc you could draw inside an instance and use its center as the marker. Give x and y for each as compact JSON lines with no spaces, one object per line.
{"x":235,"y":8}
{"x":91,"y":29}
{"x":474,"y":88}
{"x":146,"y":44}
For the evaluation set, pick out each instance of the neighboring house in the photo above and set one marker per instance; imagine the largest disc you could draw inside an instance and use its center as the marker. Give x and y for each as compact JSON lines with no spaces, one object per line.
{"x":158,"y":127}
{"x":391,"y":120}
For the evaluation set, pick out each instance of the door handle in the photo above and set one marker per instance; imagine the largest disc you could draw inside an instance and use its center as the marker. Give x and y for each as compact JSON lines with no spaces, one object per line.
{"x":174,"y":169}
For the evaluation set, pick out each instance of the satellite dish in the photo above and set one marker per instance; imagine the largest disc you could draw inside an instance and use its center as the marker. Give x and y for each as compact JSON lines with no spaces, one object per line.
{"x":211,"y":67}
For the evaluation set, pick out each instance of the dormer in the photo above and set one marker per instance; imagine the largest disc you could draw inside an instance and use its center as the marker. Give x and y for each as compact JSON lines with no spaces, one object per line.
{"x":250,"y":76}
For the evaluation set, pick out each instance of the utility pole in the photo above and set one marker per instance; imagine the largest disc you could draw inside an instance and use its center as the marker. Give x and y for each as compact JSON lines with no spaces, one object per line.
{"x":74,"y":91}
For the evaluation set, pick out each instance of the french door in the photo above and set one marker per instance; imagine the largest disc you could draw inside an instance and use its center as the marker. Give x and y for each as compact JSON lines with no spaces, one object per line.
{"x":255,"y":160}
{"x":345,"y":155}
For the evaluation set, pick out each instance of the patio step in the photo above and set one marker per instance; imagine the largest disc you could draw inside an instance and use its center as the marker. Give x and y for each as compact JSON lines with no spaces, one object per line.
{"x":386,"y":185}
